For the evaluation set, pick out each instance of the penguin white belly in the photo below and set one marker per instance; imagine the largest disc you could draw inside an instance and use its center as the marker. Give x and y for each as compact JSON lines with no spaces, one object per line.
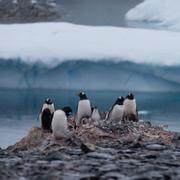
{"x":84,"y":110}
{"x":130,"y":107}
{"x":49,"y":106}
{"x":95,"y":115}
{"x":59,"y":124}
{"x":117,"y":113}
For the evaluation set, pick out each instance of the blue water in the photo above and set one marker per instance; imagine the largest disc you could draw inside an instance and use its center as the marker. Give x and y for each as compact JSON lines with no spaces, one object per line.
{"x":19,"y":108}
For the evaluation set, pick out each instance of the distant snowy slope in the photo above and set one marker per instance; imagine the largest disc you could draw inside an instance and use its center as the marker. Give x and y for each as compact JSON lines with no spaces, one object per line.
{"x":164,"y":12}
{"x":57,"y":42}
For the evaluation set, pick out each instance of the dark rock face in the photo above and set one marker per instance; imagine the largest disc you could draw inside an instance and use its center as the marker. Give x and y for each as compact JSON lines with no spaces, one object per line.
{"x":28,"y":10}
{"x":93,"y":153}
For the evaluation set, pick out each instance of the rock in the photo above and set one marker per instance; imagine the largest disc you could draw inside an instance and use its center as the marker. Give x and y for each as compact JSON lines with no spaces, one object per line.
{"x":92,"y":152}
{"x":108,"y":167}
{"x":54,"y":155}
{"x":155,"y":147}
{"x":100,"y":155}
{"x":111,"y":151}
{"x":115,"y":175}
{"x":176,"y":138}
{"x":74,"y":152}
{"x":87,"y":147}
{"x":1,"y":152}
{"x":127,"y":151}
{"x":140,"y":177}
{"x":34,"y":139}
{"x":11,"y":161}
{"x":151,"y":156}
{"x":28,"y":10}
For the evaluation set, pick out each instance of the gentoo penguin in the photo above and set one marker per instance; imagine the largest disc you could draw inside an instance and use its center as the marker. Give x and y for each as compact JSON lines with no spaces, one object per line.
{"x":83,"y":109}
{"x":46,"y":114}
{"x":116,"y":112}
{"x":95,"y":116}
{"x":60,"y":123}
{"x":130,"y":108}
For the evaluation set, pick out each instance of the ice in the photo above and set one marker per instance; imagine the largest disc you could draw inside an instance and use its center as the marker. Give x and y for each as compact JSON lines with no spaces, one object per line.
{"x":100,"y":75}
{"x":164,"y":12}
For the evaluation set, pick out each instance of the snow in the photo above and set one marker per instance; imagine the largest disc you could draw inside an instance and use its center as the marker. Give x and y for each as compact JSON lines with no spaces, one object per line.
{"x":57,"y":42}
{"x":164,"y":12}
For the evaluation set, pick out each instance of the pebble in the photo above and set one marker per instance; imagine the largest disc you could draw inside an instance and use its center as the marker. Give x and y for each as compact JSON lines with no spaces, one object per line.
{"x":155,"y":147}
{"x":100,"y":155}
{"x":108,"y":167}
{"x":54,"y":156}
{"x":87,"y":147}
{"x":115,"y":175}
{"x":74,"y":152}
{"x":73,"y":159}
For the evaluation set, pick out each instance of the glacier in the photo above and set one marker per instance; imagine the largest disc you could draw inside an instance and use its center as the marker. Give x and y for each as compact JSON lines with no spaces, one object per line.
{"x":164,"y":13}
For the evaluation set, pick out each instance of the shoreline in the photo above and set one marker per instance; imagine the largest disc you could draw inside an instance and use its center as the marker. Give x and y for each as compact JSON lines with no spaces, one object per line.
{"x":127,"y":151}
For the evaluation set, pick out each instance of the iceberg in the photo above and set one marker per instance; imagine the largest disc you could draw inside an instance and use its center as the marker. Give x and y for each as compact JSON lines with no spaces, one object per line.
{"x":68,"y":56}
{"x":165,"y":13}
{"x":52,"y":43}
{"x":90,"y":75}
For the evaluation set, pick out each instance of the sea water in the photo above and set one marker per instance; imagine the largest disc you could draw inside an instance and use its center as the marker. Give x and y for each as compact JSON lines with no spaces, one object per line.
{"x":19,"y":108}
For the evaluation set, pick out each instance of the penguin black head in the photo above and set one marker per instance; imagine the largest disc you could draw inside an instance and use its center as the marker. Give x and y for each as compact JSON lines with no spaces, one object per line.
{"x":119,"y":100}
{"x":49,"y":101}
{"x":130,"y":96}
{"x":82,"y":96}
{"x":67,"y":110}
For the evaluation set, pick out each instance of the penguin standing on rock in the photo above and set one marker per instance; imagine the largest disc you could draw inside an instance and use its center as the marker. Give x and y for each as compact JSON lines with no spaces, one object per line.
{"x":95,"y":116}
{"x":116,"y":112}
{"x":60,"y":122}
{"x":46,"y":114}
{"x":130,"y":108}
{"x":83,"y":109}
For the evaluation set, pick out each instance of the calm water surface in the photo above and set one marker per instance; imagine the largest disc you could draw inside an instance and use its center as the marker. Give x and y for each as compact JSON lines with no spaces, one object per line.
{"x":19,"y":108}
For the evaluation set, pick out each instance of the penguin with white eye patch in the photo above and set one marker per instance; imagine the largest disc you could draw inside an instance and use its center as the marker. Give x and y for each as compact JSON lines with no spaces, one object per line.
{"x":116,"y":112}
{"x":95,"y":116}
{"x":60,"y":122}
{"x":130,"y":108}
{"x":83,"y":109}
{"x":46,"y":114}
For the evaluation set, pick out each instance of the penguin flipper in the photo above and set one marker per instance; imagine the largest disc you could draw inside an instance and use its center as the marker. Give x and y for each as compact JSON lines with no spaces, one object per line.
{"x":40,"y":112}
{"x":109,"y":113}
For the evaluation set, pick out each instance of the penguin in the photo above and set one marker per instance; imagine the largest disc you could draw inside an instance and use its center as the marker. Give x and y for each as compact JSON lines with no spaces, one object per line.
{"x":130,"y":108}
{"x":95,"y":116}
{"x":60,"y":122}
{"x":83,"y":109}
{"x":116,"y":112}
{"x":46,"y":114}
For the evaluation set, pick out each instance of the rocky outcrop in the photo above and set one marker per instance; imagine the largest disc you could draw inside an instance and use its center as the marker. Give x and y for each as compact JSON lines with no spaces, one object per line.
{"x":28,"y":10}
{"x":104,"y":151}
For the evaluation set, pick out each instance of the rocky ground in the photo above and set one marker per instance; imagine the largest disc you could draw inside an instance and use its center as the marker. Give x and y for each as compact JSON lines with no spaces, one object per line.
{"x":28,"y":10}
{"x":133,"y":150}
